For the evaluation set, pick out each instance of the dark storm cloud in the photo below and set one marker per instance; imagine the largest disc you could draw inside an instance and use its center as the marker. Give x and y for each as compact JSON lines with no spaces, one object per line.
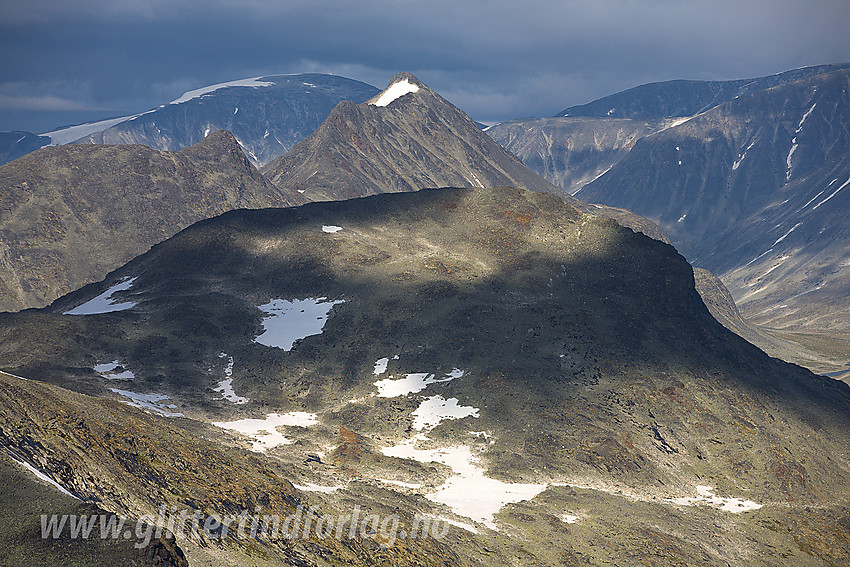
{"x":495,"y":59}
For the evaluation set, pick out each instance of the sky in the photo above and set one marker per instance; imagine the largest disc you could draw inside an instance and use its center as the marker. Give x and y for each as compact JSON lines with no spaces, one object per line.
{"x":69,"y":61}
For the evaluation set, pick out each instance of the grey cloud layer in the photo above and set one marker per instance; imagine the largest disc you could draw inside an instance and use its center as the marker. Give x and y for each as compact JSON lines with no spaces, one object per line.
{"x":496,"y":59}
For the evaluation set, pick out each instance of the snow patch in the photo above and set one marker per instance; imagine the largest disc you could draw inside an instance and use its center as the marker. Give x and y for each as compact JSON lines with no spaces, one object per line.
{"x":677,"y":122}
{"x":483,"y":434}
{"x":226,"y":385}
{"x":197,"y":93}
{"x":706,"y":496}
{"x":569,"y":518}
{"x":461,"y":525}
{"x":104,"y":303}
{"x":741,"y":157}
{"x":411,"y":383}
{"x":805,"y":117}
{"x":395,"y":91}
{"x":788,"y":160}
{"x":784,"y":236}
{"x":794,"y":141}
{"x":107,"y":371}
{"x":289,"y":321}
{"x":264,"y":431}
{"x":436,"y":409}
{"x":381,"y":366}
{"x":148,"y":402}
{"x":73,"y":133}
{"x":331,"y":228}
{"x":468,"y":492}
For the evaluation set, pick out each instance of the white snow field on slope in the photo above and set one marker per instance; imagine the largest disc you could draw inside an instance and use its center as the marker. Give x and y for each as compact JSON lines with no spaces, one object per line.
{"x":107,"y":370}
{"x":70,"y":134}
{"x":41,"y":475}
{"x":468,"y":492}
{"x":197,"y":93}
{"x":707,"y":497}
{"x":62,"y":136}
{"x":289,"y":321}
{"x":263,"y":432}
{"x":436,"y":409}
{"x":410,"y":384}
{"x":104,"y":303}
{"x":395,"y":91}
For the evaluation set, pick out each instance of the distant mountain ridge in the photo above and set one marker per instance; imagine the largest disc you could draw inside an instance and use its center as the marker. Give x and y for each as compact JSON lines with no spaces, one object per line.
{"x":267,"y":115}
{"x":680,"y":98}
{"x":572,"y":152}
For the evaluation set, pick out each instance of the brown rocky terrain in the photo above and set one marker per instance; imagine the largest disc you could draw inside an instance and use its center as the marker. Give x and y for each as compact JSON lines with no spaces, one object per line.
{"x":71,"y":214}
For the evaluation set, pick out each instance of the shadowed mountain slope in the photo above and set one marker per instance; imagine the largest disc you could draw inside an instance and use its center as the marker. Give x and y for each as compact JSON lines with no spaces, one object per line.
{"x":486,"y":346}
{"x":16,"y":144}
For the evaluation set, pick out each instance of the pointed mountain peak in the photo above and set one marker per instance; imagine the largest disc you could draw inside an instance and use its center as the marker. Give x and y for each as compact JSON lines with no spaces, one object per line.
{"x":217,"y":145}
{"x":400,"y":85}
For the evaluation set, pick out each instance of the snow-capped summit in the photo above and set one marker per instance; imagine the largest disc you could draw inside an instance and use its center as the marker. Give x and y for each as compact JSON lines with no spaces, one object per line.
{"x":396,"y":90}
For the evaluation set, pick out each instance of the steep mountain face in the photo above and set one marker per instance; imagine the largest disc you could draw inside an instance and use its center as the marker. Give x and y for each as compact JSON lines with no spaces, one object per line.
{"x":756,"y":191}
{"x":572,"y":152}
{"x":404,"y":139}
{"x":16,"y":144}
{"x":71,"y":214}
{"x":671,"y":99}
{"x":545,"y":379}
{"x":267,"y":115}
